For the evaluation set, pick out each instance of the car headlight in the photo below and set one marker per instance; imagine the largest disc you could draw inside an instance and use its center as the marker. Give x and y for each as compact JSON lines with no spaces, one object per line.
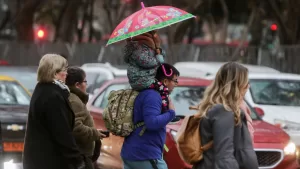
{"x":287,"y":125}
{"x":290,"y":149}
{"x":10,"y":165}
{"x":173,"y":133}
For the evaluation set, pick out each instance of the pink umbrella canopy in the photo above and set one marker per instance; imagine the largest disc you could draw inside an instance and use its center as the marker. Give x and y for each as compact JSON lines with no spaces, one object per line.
{"x":147,"y":19}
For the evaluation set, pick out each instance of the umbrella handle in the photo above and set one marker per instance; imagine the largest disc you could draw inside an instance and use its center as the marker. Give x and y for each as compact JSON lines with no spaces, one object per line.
{"x":165,"y":72}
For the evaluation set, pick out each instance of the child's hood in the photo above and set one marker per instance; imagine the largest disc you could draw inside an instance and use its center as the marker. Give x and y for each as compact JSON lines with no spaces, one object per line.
{"x":128,"y":50}
{"x":130,"y":47}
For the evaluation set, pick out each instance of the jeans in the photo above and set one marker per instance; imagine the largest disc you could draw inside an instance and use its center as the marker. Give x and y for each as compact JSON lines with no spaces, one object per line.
{"x":161,"y":164}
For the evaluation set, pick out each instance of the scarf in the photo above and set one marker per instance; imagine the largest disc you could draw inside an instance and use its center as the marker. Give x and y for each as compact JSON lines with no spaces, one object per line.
{"x":164,"y":93}
{"x":84,"y":97}
{"x":247,"y":112}
{"x":61,"y":84}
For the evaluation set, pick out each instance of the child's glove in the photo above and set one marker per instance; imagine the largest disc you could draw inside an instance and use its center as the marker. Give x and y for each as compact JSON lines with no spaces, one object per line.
{"x":160,"y":58}
{"x":152,"y":39}
{"x":156,"y":39}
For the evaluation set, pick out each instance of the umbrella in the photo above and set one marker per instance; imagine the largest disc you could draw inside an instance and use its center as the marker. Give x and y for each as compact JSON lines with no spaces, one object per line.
{"x":147,"y":19}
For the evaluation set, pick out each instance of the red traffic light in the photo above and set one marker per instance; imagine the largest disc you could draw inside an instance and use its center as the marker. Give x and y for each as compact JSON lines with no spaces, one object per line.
{"x":273,"y":27}
{"x":40,"y":33}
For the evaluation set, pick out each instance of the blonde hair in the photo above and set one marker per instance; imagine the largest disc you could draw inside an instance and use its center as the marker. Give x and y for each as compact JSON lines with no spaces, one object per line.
{"x":49,"y":65}
{"x":226,"y":89}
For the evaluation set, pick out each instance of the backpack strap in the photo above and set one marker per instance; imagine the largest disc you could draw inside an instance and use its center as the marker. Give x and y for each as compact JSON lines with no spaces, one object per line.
{"x":207,"y":146}
{"x":139,"y":124}
{"x":143,"y":131}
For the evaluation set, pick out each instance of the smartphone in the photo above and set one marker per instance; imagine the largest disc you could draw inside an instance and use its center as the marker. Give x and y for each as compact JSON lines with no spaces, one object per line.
{"x":106,"y":133}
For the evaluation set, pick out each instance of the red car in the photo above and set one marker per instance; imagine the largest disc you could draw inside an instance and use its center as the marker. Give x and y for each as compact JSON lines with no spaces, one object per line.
{"x":272,"y":145}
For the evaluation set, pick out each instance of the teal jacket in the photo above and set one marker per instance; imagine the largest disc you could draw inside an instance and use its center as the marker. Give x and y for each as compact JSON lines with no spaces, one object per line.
{"x":142,"y":65}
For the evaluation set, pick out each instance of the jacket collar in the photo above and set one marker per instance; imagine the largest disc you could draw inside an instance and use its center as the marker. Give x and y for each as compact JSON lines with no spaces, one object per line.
{"x":84,"y":97}
{"x":61,"y":84}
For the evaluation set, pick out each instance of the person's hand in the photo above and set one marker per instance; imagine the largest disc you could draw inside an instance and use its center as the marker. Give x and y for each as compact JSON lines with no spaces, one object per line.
{"x":171,"y":105}
{"x":156,"y":39}
{"x":101,"y":134}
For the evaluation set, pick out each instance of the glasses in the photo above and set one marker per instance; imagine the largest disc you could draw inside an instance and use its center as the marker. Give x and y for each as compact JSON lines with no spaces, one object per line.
{"x":175,"y":81}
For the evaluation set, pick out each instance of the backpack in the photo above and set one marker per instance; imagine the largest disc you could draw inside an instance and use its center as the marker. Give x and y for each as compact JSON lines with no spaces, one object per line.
{"x":189,"y":140}
{"x":118,"y":115}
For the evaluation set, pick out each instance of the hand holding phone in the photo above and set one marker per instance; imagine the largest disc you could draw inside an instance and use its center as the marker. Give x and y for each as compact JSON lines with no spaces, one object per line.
{"x":105,"y":134}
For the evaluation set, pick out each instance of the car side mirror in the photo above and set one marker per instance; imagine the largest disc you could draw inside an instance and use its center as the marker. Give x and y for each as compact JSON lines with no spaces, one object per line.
{"x":259,"y":111}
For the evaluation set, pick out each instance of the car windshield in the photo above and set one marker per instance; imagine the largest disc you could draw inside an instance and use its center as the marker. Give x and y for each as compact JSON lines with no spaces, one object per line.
{"x":27,"y":79}
{"x":91,"y":76}
{"x":11,"y":93}
{"x":185,"y":96}
{"x":182,"y":97}
{"x":275,"y":92}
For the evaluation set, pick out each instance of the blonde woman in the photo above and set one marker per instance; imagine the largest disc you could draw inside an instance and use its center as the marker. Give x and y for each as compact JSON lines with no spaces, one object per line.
{"x":49,"y":142}
{"x":225,"y":123}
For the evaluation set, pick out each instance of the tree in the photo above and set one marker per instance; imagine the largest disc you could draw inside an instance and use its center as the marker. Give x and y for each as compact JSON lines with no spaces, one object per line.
{"x":25,"y":19}
{"x":286,"y":14}
{"x":64,"y":15}
{"x":69,"y":20}
{"x":6,"y":16}
{"x":116,"y":11}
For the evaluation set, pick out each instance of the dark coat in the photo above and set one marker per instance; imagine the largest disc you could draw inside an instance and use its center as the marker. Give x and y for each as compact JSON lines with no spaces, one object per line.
{"x":84,"y":130}
{"x":49,"y":142}
{"x":232,"y":147}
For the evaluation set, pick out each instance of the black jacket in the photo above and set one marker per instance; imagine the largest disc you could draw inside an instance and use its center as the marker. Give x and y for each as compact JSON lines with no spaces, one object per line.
{"x":232,"y":144}
{"x":49,"y":143}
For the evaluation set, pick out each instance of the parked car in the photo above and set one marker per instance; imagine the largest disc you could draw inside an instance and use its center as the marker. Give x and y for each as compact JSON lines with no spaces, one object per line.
{"x":211,"y":68}
{"x":98,"y":73}
{"x":26,"y":75}
{"x":274,"y":95}
{"x":272,"y":144}
{"x":14,"y":105}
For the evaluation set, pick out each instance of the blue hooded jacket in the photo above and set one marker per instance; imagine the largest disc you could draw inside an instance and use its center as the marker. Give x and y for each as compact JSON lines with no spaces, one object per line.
{"x":149,"y":146}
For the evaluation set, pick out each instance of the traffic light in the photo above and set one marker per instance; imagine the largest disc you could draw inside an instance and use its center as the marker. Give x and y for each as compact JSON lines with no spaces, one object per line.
{"x":273,"y":30}
{"x":270,"y":36}
{"x":40,"y":34}
{"x":273,"y":27}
